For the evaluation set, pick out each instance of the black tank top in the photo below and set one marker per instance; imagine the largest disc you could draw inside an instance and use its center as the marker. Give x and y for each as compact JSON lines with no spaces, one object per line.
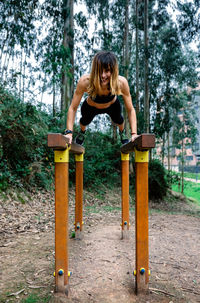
{"x":103,"y":98}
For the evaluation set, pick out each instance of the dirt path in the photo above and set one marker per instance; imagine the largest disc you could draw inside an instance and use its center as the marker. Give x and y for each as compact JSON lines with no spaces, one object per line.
{"x":102,"y":264}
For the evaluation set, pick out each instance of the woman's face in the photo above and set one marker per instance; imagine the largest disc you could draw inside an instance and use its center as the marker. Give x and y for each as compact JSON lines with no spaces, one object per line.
{"x":105,"y":77}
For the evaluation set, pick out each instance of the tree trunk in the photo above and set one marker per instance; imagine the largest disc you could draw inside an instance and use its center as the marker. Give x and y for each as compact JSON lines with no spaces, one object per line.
{"x":43,"y":88}
{"x":24,"y":77}
{"x":114,"y":127}
{"x":21,"y":74}
{"x":54,"y":99}
{"x":182,"y":168}
{"x":137,"y":59}
{"x":4,"y":67}
{"x":168,"y":153}
{"x":6,"y":41}
{"x":163,"y":149}
{"x":146,"y":71}
{"x":126,"y":59}
{"x":68,"y":44}
{"x":105,"y":42}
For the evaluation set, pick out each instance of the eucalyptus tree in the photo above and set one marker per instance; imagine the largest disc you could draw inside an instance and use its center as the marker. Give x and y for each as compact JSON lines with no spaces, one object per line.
{"x":18,"y":34}
{"x":57,"y":43}
{"x":101,"y":10}
{"x":173,"y":71}
{"x":188,"y":20}
{"x":146,"y":66}
{"x":144,"y":13}
{"x":122,"y":16}
{"x":106,"y":36}
{"x":137,"y":2}
{"x":184,"y":129}
{"x":68,"y":48}
{"x":122,"y":23}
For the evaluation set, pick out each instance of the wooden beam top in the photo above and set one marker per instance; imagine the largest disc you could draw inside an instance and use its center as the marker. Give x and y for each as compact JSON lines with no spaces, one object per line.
{"x":59,"y":142}
{"x":142,"y":142}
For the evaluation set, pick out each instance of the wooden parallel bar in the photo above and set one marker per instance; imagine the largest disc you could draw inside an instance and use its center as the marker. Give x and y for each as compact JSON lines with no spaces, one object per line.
{"x":61,"y":226}
{"x":141,"y":224}
{"x":60,"y":142}
{"x":125,"y":194}
{"x":142,"y":142}
{"x":79,"y":195}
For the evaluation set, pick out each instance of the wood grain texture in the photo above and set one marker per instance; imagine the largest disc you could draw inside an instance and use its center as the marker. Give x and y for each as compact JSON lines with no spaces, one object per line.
{"x":125,"y":192}
{"x":61,"y":224}
{"x":79,"y":195}
{"x":142,"y":142}
{"x":141,"y":226}
{"x":60,"y":142}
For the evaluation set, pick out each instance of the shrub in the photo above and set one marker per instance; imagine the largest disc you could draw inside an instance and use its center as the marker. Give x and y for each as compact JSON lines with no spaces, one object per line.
{"x":101,"y":161}
{"x":24,"y":155}
{"x":157,"y":180}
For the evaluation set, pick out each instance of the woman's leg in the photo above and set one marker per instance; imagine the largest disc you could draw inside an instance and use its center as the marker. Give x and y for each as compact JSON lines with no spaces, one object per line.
{"x":87,"y":115}
{"x":115,"y":112}
{"x":82,"y":127}
{"x":121,"y":127}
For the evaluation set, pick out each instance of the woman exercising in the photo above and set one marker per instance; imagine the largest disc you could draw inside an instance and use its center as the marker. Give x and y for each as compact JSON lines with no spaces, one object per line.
{"x":103,"y":86}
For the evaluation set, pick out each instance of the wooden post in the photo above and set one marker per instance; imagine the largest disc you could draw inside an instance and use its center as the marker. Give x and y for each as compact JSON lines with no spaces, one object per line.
{"x":61,"y":147}
{"x":61,"y":220}
{"x":141,"y":223}
{"x":79,"y":196}
{"x":125,"y":194}
{"x":141,"y":145}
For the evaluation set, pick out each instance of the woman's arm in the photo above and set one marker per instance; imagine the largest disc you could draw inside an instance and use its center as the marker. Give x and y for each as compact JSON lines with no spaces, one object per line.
{"x":129,"y":106}
{"x":80,"y":90}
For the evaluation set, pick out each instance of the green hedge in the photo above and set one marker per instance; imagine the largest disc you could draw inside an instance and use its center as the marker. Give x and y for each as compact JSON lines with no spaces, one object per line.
{"x":27,"y":162}
{"x":24,"y":156}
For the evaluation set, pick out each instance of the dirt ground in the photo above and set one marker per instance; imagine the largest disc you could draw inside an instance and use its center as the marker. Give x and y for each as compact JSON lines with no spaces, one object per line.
{"x":101,"y":263}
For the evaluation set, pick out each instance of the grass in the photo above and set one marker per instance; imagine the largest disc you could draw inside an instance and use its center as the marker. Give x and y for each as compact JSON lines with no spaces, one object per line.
{"x":195,"y":176}
{"x":192,"y":175}
{"x":33,"y":298}
{"x":191,"y":190}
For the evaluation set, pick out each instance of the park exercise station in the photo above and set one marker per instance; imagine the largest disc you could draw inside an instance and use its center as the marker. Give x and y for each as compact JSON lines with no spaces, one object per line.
{"x":141,"y":146}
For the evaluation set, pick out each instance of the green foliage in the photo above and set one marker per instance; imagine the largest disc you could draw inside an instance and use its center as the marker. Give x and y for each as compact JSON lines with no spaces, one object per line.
{"x":101,"y":162}
{"x":157,"y":180}
{"x":174,"y":178}
{"x":191,"y":190}
{"x":26,"y":161}
{"x":24,"y":155}
{"x":34,"y":298}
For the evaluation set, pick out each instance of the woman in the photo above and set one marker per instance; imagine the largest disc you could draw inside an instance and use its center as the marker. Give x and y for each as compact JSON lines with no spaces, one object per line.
{"x":103,"y":86}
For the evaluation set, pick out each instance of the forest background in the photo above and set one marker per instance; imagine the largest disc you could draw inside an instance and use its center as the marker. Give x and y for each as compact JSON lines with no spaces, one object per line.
{"x":47,"y":45}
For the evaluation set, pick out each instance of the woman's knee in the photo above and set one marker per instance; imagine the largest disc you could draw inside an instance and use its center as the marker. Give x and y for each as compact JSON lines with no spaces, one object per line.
{"x":87,"y":114}
{"x":118,"y":120}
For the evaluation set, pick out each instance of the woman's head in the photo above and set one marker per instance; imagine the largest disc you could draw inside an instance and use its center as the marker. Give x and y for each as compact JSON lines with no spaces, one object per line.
{"x":104,"y":70}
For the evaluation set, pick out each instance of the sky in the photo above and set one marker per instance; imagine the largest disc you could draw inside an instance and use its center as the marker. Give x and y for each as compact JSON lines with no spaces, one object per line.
{"x":47,"y":98}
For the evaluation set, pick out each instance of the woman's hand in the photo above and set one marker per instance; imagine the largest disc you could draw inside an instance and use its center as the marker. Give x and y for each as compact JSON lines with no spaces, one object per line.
{"x":133,"y":137}
{"x":69,"y":137}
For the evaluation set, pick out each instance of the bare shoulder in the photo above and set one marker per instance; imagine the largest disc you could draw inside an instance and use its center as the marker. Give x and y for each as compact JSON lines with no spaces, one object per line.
{"x":123,"y":85}
{"x":83,"y":83}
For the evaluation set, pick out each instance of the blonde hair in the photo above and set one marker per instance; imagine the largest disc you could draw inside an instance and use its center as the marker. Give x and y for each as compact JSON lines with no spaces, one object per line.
{"x":103,"y":60}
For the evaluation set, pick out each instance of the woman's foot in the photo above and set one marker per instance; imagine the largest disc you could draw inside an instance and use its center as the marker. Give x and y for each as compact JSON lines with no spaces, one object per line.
{"x":123,"y":137}
{"x":80,"y":137}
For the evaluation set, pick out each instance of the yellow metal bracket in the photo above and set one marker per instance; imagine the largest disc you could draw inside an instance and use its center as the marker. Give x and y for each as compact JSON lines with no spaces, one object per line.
{"x":79,"y":157}
{"x":124,"y":157}
{"x":62,"y":155}
{"x":141,"y":156}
